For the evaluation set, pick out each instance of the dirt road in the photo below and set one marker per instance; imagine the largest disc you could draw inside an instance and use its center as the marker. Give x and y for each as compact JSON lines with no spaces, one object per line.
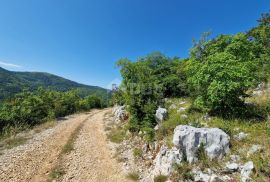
{"x":89,"y":161}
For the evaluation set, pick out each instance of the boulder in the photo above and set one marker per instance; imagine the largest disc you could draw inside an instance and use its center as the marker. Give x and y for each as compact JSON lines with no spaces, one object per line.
{"x":246,"y":171}
{"x":241,"y":136}
{"x":188,"y":139}
{"x":254,"y":149}
{"x":232,"y":167}
{"x":120,"y":113}
{"x":173,"y":106}
{"x":161,"y":114}
{"x":181,"y":109}
{"x":166,"y":158}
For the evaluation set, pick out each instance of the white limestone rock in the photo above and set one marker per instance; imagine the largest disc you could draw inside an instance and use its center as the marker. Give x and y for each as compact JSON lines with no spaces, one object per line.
{"x":188,"y":139}
{"x":161,"y":114}
{"x":247,"y":171}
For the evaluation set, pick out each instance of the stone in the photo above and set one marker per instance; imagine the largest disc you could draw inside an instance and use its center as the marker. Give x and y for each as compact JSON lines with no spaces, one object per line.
{"x":166,"y":158}
{"x":188,"y":139}
{"x":173,"y":106}
{"x":246,"y":171}
{"x":184,"y":116}
{"x":235,"y":158}
{"x":206,"y":117}
{"x":145,"y":148}
{"x":120,"y":113}
{"x":199,"y":176}
{"x":183,"y":102}
{"x":254,"y":149}
{"x":156,"y":127}
{"x":181,"y":109}
{"x":161,"y":114}
{"x":232,"y":167}
{"x":241,"y":136}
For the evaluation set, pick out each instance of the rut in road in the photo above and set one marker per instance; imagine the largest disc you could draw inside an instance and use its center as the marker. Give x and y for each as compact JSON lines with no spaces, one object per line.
{"x":90,"y":161}
{"x":91,"y":158}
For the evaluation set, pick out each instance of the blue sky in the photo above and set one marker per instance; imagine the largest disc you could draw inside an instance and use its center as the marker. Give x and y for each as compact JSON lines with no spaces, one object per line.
{"x":82,"y":39}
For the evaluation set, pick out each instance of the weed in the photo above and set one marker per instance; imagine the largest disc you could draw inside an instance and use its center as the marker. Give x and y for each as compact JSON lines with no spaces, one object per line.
{"x":134,"y":176}
{"x":160,"y":178}
{"x":56,"y":173}
{"x":137,"y":152}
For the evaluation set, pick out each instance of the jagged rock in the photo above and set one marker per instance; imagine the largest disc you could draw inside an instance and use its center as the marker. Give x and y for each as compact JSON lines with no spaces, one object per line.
{"x":184,"y":116}
{"x":241,"y":136}
{"x":145,"y":148}
{"x":161,"y":114}
{"x":181,"y":109}
{"x":254,"y":149}
{"x":173,"y":106}
{"x":246,"y":171}
{"x":120,"y":113}
{"x":183,"y":102}
{"x":156,"y":127}
{"x":166,"y":158}
{"x":206,"y":117}
{"x":232,"y":167}
{"x":188,"y":139}
{"x":199,"y":176}
{"x":235,"y":158}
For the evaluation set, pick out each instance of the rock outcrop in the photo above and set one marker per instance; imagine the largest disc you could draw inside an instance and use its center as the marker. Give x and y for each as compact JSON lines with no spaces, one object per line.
{"x":165,"y":160}
{"x":188,"y":139}
{"x":161,"y":114}
{"x":120,"y":113}
{"x":246,"y":171}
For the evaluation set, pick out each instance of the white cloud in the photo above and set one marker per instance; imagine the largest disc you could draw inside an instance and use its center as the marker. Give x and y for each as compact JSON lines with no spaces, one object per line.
{"x":10,"y":65}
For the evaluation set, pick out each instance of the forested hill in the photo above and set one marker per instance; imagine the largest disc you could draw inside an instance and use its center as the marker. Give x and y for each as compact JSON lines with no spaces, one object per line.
{"x":15,"y":82}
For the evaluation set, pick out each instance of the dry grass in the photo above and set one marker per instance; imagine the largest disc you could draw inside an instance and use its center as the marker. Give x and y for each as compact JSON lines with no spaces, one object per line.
{"x":259,"y":134}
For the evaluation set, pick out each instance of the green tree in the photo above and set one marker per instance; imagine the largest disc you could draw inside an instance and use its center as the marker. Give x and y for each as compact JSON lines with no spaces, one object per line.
{"x":224,"y":73}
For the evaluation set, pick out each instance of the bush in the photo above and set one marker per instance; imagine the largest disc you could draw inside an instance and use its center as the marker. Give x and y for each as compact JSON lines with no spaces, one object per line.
{"x":222,"y":72}
{"x":146,"y":82}
{"x":160,"y":178}
{"x":28,"y":109}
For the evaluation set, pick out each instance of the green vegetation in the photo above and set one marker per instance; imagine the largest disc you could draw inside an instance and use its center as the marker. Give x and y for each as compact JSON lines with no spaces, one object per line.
{"x":214,"y":86}
{"x":137,"y":152}
{"x":160,"y":178}
{"x":146,"y":82}
{"x":56,"y":173}
{"x":133,"y":176}
{"x":116,"y":135}
{"x":28,"y":109}
{"x":15,"y":82}
{"x":217,"y":77}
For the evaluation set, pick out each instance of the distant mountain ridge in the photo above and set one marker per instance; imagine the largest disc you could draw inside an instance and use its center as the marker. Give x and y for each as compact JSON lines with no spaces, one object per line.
{"x":12,"y":82}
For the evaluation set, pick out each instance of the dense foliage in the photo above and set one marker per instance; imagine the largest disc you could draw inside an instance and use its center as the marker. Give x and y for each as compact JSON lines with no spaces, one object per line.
{"x":146,"y":82}
{"x":15,"y":82}
{"x":218,"y":75}
{"x":222,"y":72}
{"x":31,"y":108}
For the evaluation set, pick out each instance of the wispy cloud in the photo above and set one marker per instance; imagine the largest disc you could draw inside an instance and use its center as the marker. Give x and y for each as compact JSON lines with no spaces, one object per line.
{"x":10,"y":65}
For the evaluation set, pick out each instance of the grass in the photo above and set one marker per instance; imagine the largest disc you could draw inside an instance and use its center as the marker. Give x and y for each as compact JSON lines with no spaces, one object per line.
{"x":160,"y":178}
{"x":56,"y":172}
{"x":259,"y":134}
{"x":137,"y":152}
{"x":69,"y":146}
{"x":117,"y":135}
{"x":133,"y":176}
{"x":15,"y":141}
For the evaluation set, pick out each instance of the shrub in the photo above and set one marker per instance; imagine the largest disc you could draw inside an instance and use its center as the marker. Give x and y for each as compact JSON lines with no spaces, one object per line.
{"x":160,"y":178}
{"x":222,"y":72}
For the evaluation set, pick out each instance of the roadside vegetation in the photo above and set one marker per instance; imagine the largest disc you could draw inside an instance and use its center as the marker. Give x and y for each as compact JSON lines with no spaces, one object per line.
{"x":31,"y":109}
{"x":212,"y":88}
